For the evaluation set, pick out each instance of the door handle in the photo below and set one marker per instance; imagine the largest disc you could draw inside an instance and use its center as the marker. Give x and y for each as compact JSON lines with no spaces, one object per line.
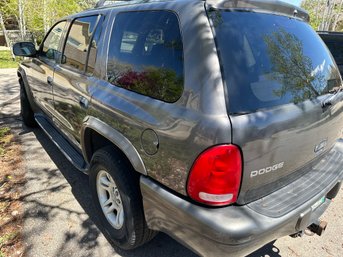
{"x":83,"y":102}
{"x":50,"y":80}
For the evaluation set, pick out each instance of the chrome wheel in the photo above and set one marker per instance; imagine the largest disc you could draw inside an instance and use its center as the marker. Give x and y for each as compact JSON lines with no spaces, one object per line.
{"x":109,"y":199}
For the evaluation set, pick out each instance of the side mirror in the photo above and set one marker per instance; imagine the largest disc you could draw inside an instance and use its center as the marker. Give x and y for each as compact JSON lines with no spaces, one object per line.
{"x":26,"y":49}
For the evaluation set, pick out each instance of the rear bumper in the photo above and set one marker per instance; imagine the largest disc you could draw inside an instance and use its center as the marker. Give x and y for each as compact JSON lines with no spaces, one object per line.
{"x":228,"y":231}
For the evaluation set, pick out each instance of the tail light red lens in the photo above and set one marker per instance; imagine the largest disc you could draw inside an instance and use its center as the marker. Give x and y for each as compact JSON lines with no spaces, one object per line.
{"x":215,"y":177}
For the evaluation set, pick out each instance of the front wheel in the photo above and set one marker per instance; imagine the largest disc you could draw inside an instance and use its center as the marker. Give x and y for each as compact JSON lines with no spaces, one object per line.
{"x":117,"y":199}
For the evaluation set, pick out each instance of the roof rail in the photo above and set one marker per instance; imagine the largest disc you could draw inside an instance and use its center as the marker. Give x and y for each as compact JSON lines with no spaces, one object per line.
{"x":102,"y":3}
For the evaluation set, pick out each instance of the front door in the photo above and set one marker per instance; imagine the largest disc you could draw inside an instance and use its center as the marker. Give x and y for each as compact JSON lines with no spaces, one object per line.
{"x":41,"y":72}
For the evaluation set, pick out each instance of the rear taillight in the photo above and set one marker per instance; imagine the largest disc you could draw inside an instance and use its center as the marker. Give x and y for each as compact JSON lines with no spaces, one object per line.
{"x":215,"y":177}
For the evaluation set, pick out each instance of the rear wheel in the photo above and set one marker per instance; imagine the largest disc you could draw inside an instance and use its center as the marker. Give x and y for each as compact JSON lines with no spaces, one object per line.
{"x":26,"y":111}
{"x":118,"y":202}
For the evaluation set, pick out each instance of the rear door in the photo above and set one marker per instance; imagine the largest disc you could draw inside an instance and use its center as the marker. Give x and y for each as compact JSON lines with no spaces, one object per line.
{"x":282,"y":92}
{"x":73,"y":76}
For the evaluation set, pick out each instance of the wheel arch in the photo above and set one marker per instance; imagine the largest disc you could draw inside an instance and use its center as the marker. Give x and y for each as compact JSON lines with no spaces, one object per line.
{"x":23,"y":82}
{"x":22,"y":76}
{"x":107,"y":135}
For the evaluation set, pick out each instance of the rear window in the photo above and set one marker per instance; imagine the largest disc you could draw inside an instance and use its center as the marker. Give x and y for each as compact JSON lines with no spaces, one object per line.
{"x":270,"y":60}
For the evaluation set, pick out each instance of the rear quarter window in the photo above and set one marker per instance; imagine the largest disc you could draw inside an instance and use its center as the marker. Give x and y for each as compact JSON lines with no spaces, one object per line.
{"x":146,"y":54}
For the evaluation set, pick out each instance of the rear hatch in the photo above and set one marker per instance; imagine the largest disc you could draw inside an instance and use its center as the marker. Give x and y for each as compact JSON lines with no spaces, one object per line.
{"x":283,"y":92}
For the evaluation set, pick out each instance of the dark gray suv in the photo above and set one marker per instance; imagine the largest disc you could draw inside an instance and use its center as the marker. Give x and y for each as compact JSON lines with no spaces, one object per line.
{"x":217,"y":122}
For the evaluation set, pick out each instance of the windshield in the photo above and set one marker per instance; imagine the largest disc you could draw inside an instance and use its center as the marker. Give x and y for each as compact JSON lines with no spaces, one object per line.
{"x":270,"y":60}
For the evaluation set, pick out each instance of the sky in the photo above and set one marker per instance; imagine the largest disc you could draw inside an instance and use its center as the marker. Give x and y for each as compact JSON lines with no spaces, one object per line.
{"x":295,"y":2}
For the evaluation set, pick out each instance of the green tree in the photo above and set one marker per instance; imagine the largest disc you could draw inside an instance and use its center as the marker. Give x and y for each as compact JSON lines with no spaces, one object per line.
{"x":37,"y":16}
{"x":9,"y":8}
{"x":42,"y":14}
{"x":293,"y":69}
{"x":325,"y":14}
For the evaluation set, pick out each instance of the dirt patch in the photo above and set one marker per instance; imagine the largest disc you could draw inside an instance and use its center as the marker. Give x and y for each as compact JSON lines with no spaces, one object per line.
{"x":12,"y":180}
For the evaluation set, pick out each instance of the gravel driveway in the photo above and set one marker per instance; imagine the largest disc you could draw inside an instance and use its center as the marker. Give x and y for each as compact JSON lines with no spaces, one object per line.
{"x":59,"y":219}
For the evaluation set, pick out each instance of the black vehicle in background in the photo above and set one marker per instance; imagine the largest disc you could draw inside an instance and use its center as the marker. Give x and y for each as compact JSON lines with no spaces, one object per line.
{"x":334,"y":41}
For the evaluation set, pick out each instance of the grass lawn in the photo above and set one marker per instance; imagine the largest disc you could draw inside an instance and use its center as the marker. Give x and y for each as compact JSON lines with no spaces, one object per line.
{"x":6,"y":60}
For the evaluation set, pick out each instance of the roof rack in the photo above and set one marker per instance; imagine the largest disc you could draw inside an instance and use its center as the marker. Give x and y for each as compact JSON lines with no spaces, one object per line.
{"x":102,"y":3}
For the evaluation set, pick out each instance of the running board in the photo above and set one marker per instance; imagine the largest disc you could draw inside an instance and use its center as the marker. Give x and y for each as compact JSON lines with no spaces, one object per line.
{"x":63,"y":145}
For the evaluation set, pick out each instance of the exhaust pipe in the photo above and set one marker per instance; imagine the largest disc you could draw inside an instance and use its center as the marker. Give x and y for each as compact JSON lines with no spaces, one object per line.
{"x":318,"y":228}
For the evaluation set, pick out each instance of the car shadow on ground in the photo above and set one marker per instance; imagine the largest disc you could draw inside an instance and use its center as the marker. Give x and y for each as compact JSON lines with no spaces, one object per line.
{"x":161,"y":245}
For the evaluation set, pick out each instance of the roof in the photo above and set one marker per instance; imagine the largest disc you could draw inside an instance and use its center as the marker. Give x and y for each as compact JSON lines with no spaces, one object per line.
{"x":269,"y":6}
{"x":337,"y":33}
{"x":331,"y":35}
{"x":111,"y":3}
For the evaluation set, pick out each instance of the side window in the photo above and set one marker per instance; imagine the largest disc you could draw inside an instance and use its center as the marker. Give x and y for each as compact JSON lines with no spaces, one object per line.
{"x":52,"y":41}
{"x":78,"y":41}
{"x":94,"y":47}
{"x":146,"y":54}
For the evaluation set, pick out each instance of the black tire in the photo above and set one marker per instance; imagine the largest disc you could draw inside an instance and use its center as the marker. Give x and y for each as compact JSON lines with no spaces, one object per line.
{"x":134,"y":231}
{"x":26,"y":111}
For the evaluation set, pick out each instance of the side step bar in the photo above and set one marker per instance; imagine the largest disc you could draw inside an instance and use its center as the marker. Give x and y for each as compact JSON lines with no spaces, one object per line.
{"x":65,"y":147}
